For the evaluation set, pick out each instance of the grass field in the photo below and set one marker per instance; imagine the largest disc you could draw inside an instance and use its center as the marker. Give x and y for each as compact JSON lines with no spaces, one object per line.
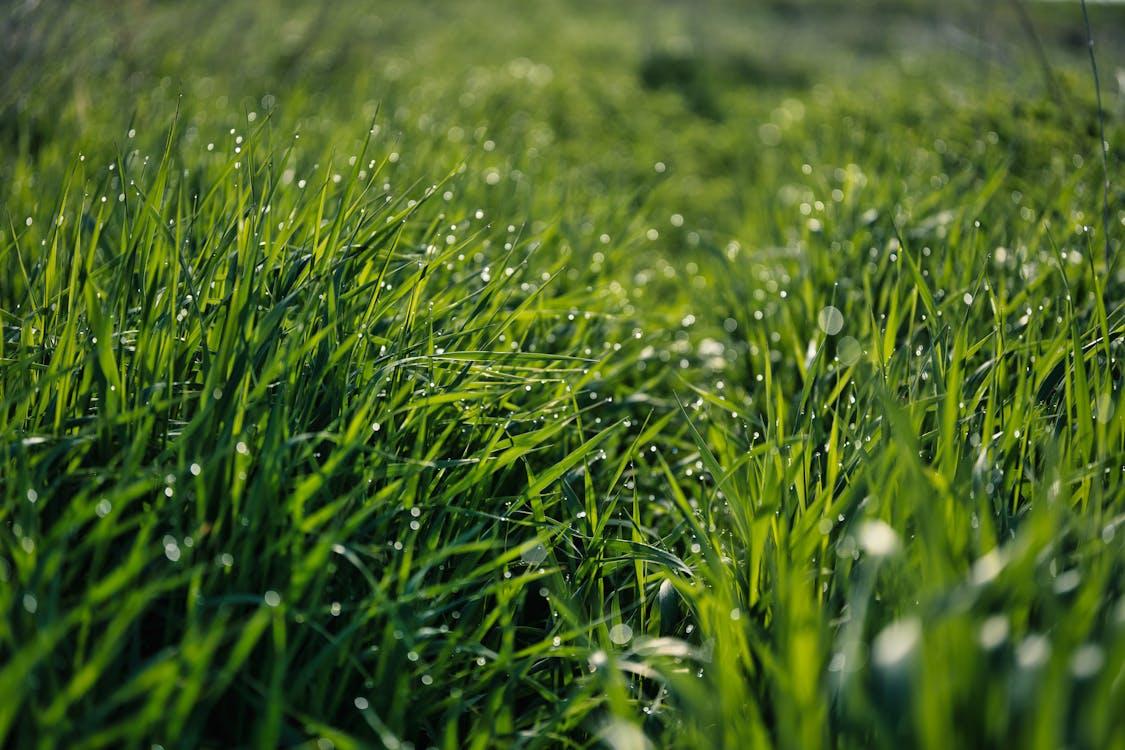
{"x":566,"y":374}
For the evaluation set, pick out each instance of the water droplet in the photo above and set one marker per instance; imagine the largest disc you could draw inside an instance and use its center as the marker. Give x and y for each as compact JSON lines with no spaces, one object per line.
{"x":621,"y":634}
{"x":534,"y":555}
{"x":993,"y":632}
{"x":1087,"y":661}
{"x":1033,"y":652}
{"x":878,"y":539}
{"x":849,"y":351}
{"x":830,"y":320}
{"x":896,"y":642}
{"x":1067,"y":582}
{"x":987,"y":567}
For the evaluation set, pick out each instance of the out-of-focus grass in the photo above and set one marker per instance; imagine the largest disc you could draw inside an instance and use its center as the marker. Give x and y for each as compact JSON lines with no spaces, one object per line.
{"x":473,"y":375}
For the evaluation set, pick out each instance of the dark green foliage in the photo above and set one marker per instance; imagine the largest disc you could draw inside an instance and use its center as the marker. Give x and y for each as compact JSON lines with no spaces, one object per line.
{"x":590,"y":375}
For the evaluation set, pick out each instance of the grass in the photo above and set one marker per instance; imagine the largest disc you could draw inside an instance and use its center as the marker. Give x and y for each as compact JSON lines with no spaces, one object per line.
{"x":591,"y":376}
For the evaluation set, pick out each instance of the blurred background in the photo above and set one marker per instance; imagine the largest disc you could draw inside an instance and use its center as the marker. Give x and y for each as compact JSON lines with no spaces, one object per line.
{"x":608,"y":89}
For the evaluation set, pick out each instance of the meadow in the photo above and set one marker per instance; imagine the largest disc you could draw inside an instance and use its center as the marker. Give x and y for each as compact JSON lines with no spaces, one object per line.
{"x":561,"y":374}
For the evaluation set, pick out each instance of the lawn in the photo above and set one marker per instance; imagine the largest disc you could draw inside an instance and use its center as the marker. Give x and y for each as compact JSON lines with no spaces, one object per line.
{"x":561,"y":374}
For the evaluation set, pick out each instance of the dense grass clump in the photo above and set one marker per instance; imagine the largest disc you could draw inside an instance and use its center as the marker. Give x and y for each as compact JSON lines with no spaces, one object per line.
{"x":591,"y":376}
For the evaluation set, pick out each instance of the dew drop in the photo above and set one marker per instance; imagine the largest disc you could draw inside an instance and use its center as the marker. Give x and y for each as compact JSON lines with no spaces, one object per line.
{"x":621,"y":634}
{"x":830,"y":320}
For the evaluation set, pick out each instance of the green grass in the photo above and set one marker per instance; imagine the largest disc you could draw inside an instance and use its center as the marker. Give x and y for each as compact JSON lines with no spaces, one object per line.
{"x":577,"y":375}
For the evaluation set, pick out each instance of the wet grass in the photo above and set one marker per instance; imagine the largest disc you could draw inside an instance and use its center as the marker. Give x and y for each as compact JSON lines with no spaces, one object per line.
{"x":597,"y":376}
